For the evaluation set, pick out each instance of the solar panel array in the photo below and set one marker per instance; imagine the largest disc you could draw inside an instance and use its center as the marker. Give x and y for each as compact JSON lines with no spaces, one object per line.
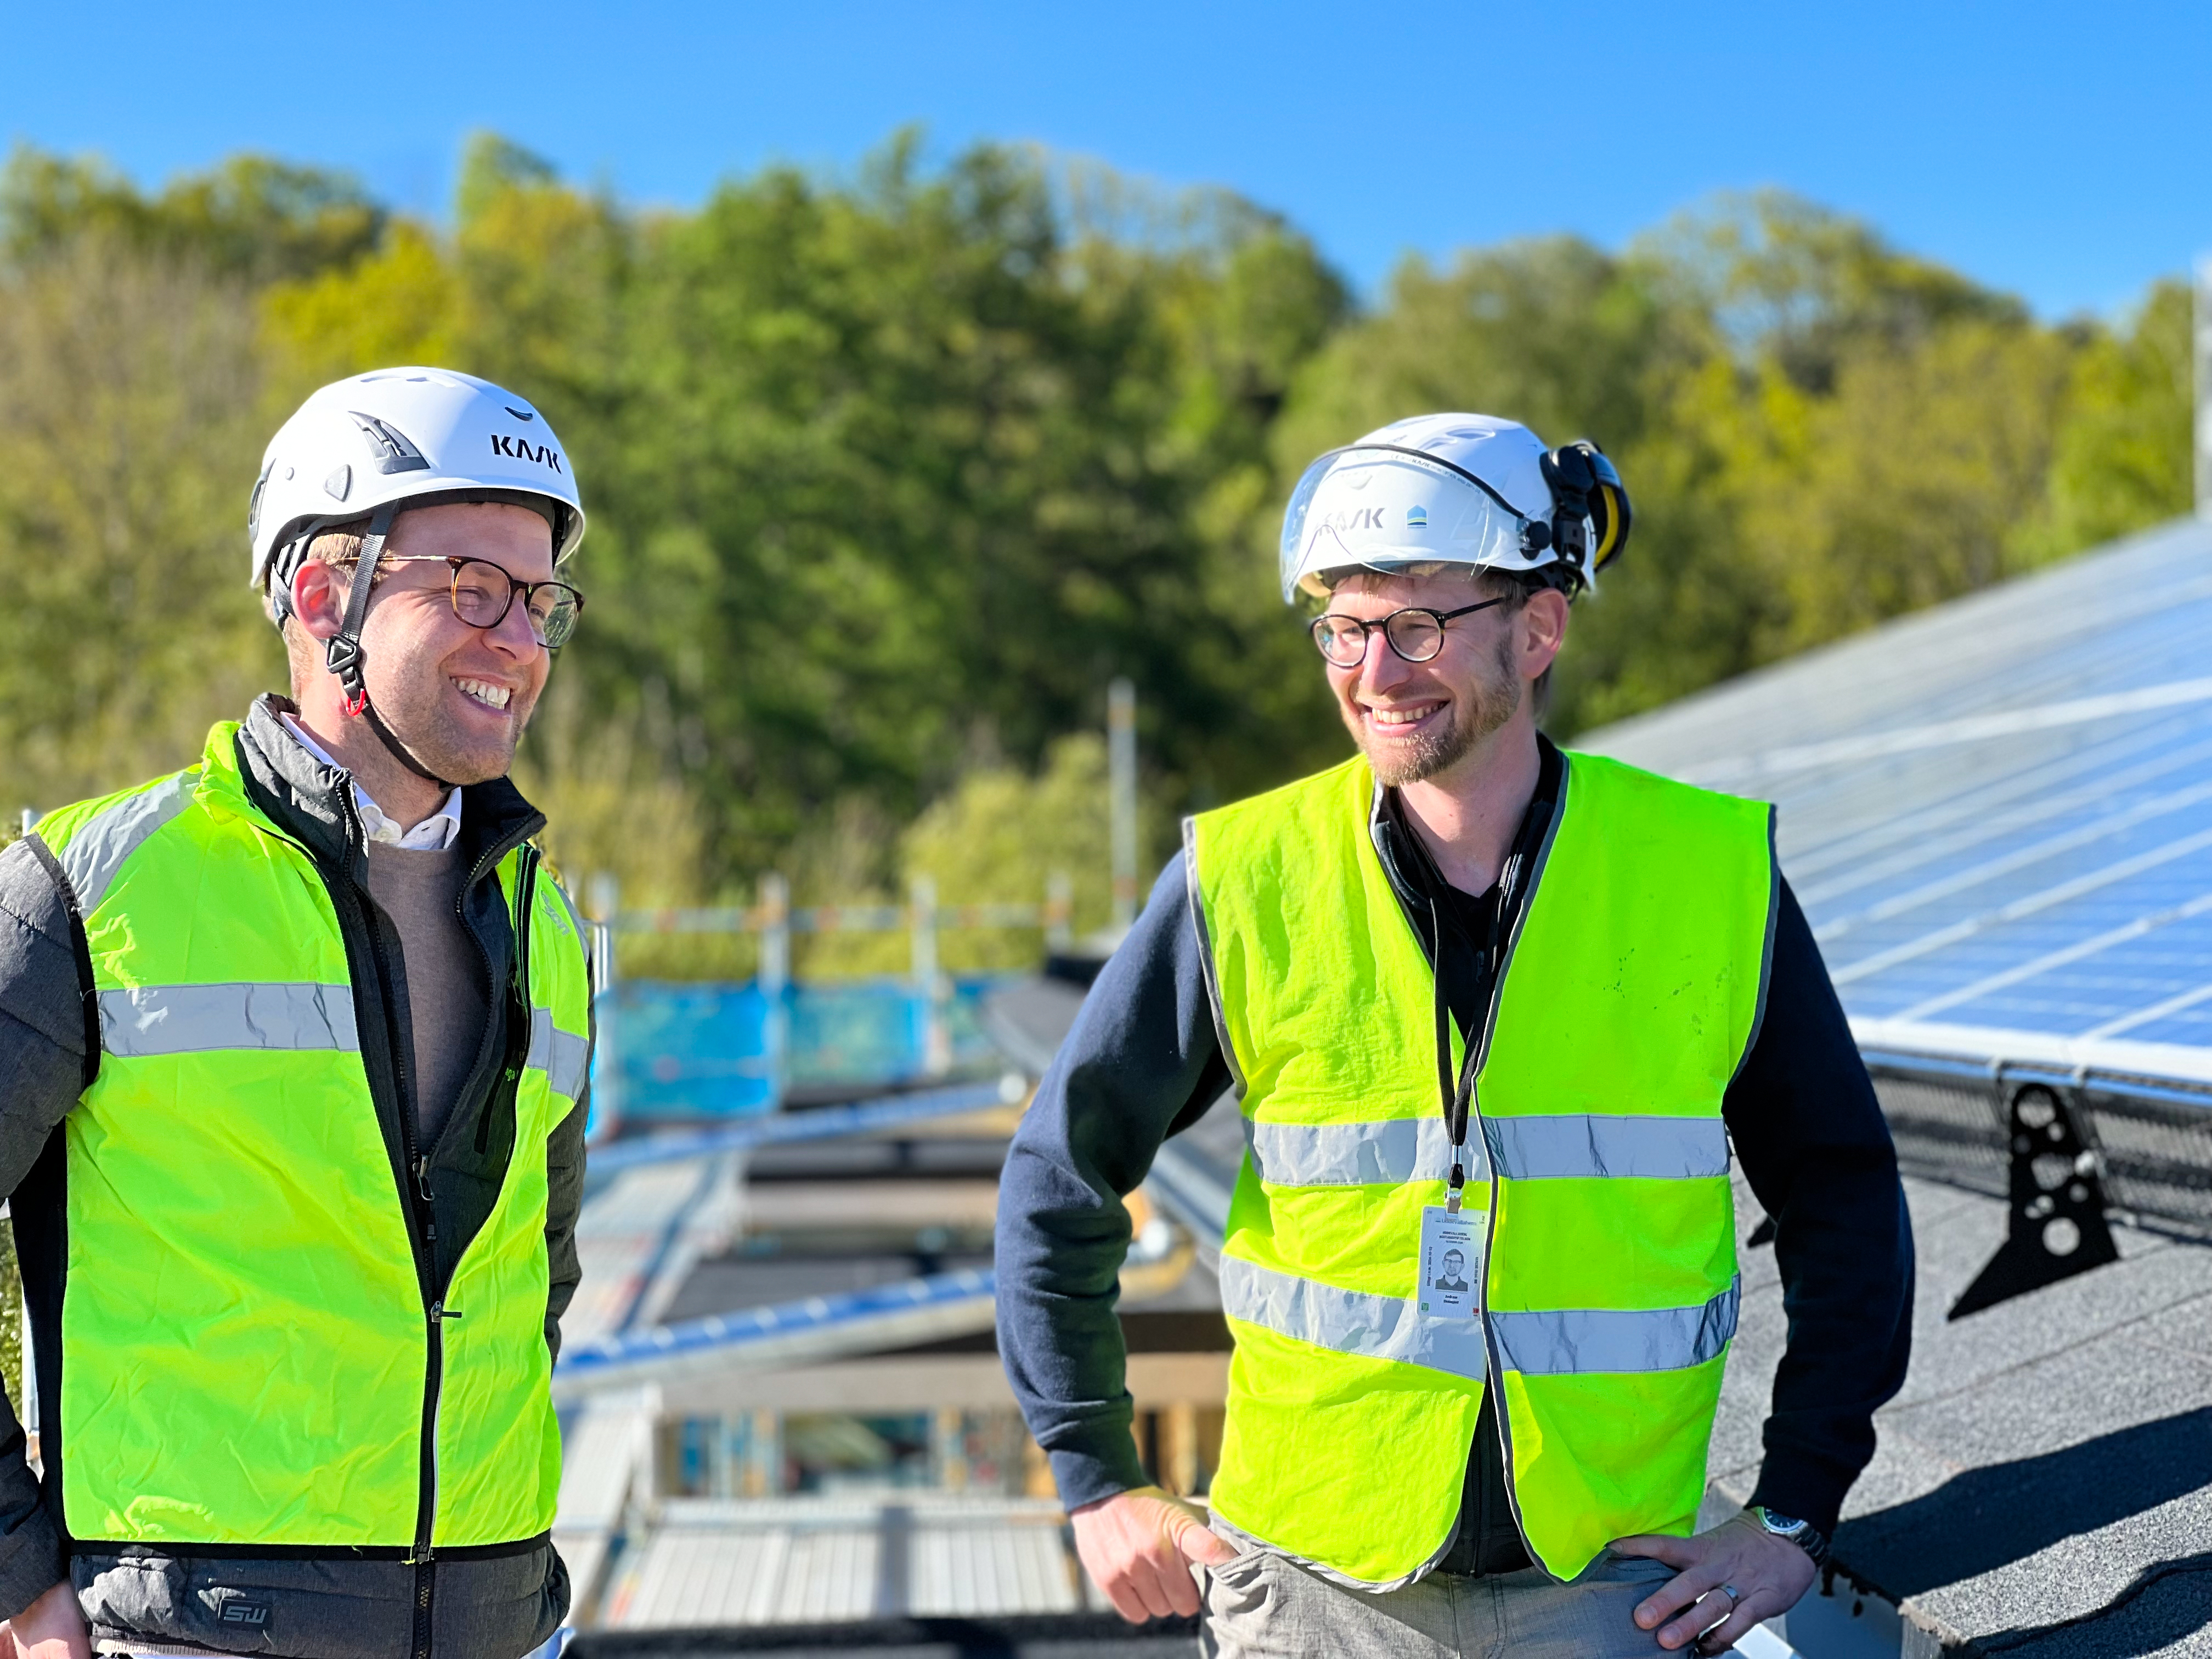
{"x":1997,"y":814}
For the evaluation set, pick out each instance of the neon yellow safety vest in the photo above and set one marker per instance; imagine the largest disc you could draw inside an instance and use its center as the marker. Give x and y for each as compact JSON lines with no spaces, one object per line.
{"x":1631,"y":994}
{"x":249,"y":1355}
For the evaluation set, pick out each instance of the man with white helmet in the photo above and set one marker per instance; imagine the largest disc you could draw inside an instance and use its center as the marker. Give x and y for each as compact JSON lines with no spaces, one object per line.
{"x":295,"y":1045}
{"x":1494,"y":1014}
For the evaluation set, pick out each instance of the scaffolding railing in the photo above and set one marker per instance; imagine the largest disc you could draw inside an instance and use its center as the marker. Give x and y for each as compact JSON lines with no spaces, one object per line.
{"x":773,"y":918}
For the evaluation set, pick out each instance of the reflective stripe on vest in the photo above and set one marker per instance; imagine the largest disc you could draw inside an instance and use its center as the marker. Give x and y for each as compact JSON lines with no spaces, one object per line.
{"x":198,"y":1019}
{"x":562,"y":1055}
{"x":1629,"y":994}
{"x":245,"y":1336}
{"x":115,"y":829}
{"x":1564,"y":1342}
{"x":1528,"y":1148}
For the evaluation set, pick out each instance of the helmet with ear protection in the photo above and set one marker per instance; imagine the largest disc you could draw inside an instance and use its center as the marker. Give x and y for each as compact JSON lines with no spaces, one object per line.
{"x":1455,"y":488}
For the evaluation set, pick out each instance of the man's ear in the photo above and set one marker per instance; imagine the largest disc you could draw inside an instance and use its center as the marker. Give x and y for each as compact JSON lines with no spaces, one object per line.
{"x":318,"y":598}
{"x":1544,"y":630}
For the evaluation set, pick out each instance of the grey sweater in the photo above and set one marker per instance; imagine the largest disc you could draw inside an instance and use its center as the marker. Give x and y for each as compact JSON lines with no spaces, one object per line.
{"x":446,"y":999}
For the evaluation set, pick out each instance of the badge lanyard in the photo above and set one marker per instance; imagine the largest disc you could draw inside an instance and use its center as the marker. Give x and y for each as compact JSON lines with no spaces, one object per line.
{"x":1458,"y":1094}
{"x":1453,"y":1264}
{"x":1454,"y":1092}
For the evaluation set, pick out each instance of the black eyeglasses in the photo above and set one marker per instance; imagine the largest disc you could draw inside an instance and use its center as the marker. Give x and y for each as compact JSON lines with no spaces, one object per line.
{"x":1416,"y":633}
{"x":483,"y":592}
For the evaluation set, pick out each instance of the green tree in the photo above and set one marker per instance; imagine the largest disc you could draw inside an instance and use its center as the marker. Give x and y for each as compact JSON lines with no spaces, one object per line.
{"x":250,"y":218}
{"x":1914,"y":481}
{"x":2123,"y":460}
{"x":127,"y":400}
{"x":1799,"y":287}
{"x":899,"y":474}
{"x":1002,"y":834}
{"x":889,"y":474}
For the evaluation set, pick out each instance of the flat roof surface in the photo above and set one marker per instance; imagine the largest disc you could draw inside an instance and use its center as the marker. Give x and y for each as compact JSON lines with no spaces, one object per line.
{"x":1997,"y":812}
{"x":2043,"y":1485}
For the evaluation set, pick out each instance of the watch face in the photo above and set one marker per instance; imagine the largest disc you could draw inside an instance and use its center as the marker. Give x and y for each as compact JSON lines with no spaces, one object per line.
{"x":1781,"y":1523}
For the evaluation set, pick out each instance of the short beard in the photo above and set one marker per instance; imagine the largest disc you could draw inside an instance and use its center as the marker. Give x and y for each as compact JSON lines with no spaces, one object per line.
{"x":409,"y":703}
{"x":1497,"y":698}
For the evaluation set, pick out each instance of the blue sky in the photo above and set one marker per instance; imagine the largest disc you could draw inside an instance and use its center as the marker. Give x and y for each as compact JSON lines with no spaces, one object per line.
{"x":2060,"y":152}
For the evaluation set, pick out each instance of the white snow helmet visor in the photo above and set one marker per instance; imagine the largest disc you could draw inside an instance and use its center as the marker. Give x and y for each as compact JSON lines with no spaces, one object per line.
{"x":1455,"y":489}
{"x":401,"y":437}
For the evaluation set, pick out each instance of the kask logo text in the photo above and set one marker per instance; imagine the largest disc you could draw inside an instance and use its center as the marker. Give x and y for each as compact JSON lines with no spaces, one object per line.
{"x":521,"y":449}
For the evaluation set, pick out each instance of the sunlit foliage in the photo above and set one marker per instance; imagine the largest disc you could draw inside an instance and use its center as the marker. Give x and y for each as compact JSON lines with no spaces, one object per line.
{"x":889,"y":474}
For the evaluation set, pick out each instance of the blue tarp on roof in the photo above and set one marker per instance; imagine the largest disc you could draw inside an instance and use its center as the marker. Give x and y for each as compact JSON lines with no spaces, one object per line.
{"x":690,"y":1050}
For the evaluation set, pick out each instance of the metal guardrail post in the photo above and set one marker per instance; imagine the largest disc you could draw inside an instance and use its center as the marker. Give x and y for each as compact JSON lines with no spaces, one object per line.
{"x":1121,"y":774}
{"x":760,"y":1471}
{"x":605,"y":895}
{"x":774,"y":921}
{"x":774,"y":932}
{"x":1059,"y":911}
{"x":928,"y":979}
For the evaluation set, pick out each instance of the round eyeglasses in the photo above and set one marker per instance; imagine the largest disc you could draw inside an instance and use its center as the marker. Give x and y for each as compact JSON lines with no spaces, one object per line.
{"x":1416,"y":633}
{"x":483,"y":592}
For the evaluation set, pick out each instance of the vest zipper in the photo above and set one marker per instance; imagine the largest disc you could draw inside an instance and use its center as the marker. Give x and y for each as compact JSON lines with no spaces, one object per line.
{"x":415,"y":1199}
{"x":434,"y":1370}
{"x":415,"y":1202}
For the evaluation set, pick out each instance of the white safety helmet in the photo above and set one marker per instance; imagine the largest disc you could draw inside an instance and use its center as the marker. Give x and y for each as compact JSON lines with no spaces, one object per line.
{"x":1468,"y":490}
{"x":398,"y":438}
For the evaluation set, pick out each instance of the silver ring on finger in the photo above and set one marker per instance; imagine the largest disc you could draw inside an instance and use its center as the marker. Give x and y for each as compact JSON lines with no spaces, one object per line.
{"x":1734,"y":1596}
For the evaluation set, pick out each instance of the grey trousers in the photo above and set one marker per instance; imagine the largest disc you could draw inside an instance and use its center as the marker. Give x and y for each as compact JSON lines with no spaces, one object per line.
{"x":1262,"y":1607}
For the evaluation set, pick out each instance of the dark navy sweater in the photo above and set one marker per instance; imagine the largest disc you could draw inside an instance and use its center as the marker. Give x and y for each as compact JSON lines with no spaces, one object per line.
{"x":1143,"y":1061}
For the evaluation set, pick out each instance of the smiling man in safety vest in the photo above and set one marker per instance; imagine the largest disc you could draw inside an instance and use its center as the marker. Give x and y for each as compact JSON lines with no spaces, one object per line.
{"x":293,"y":1052}
{"x":1494,"y":1014}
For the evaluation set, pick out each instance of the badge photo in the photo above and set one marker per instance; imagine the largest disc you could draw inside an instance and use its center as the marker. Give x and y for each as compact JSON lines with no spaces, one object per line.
{"x":1451,"y":1262}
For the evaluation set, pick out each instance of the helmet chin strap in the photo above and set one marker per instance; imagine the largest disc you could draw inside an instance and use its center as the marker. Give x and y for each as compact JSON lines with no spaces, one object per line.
{"x":345,"y":656}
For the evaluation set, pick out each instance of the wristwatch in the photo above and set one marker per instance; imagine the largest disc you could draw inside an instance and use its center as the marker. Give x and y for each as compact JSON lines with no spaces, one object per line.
{"x":1803,"y":1534}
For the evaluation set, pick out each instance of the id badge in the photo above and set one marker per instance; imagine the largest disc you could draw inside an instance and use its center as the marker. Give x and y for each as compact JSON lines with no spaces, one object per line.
{"x":1451,"y":1262}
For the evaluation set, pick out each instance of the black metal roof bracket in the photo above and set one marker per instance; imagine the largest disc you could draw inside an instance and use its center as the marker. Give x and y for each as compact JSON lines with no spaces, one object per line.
{"x":2056,"y":1195}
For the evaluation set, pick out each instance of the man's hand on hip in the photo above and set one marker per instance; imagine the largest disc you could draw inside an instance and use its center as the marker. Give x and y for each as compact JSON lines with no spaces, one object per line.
{"x":52,"y":1627}
{"x":1140,"y":1547}
{"x":1726,"y":1581}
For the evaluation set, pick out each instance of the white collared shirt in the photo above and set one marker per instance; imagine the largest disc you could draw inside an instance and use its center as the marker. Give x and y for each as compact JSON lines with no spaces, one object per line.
{"x":434,"y":835}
